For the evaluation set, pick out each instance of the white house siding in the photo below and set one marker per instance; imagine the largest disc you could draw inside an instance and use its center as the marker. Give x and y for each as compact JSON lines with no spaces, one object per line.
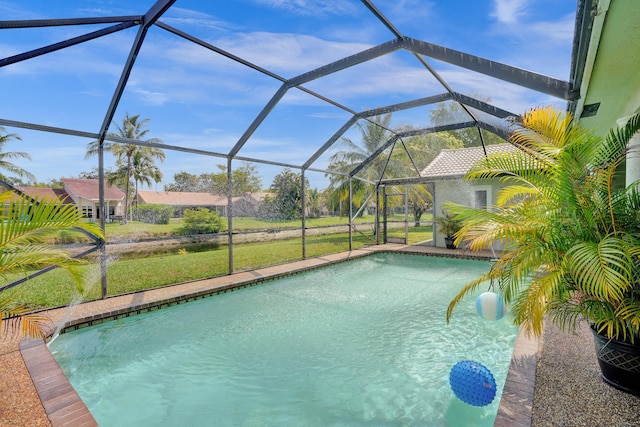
{"x":449,"y":190}
{"x":463,"y":193}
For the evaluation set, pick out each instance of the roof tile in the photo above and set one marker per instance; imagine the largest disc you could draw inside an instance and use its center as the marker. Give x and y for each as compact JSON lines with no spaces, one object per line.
{"x":454,"y":163}
{"x":88,"y":188}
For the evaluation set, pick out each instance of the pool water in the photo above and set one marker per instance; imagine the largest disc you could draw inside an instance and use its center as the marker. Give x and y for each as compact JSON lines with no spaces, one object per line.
{"x":362,"y":343}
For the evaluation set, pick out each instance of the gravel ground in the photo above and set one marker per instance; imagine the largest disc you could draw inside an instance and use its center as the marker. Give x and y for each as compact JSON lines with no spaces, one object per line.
{"x":19,"y":401}
{"x":569,"y":390}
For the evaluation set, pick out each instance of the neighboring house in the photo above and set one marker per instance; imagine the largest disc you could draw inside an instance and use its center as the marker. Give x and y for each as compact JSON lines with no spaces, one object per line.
{"x":181,"y":200}
{"x":43,"y":193}
{"x":85,"y":194}
{"x":245,"y":206}
{"x":446,"y":172}
{"x":248,"y":205}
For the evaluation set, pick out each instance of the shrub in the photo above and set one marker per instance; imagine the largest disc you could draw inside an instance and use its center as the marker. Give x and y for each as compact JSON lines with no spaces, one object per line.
{"x":202,"y":221}
{"x":154,"y":214}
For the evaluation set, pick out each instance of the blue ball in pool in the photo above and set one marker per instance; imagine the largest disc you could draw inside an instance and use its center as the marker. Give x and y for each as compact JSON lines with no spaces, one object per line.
{"x":491,"y":306}
{"x":472,"y":383}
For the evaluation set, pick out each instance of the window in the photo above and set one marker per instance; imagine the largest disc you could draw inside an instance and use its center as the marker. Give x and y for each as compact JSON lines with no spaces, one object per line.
{"x":87,"y":211}
{"x":481,"y":197}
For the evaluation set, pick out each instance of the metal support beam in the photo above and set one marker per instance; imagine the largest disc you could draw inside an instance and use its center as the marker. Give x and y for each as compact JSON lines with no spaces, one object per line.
{"x":59,"y":22}
{"x":482,"y":106}
{"x":381,"y":18}
{"x":413,"y":132}
{"x":373,"y":155}
{"x":258,"y":120}
{"x":347,"y":62}
{"x":304,"y":216}
{"x":219,"y":51}
{"x":48,"y":129}
{"x":330,"y":142}
{"x":376,"y":221}
{"x":350,"y":215}
{"x":406,"y":215}
{"x":230,"y":214}
{"x":64,"y":44}
{"x":149,"y":18}
{"x":434,"y":99}
{"x":385,"y":213}
{"x":376,"y":112}
{"x":501,"y":132}
{"x":538,"y":82}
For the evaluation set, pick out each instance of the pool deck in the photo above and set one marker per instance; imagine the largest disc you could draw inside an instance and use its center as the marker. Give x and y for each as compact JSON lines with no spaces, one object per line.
{"x":547,"y":385}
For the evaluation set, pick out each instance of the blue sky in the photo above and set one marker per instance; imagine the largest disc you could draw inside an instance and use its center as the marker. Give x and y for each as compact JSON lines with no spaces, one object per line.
{"x":198,"y":99}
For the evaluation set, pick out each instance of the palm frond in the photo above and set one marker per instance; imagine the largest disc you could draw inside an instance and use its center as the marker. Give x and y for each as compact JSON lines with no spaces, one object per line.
{"x":601,"y":269}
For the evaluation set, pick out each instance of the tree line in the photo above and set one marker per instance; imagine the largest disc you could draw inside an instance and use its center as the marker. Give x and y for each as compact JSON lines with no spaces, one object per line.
{"x":135,"y":165}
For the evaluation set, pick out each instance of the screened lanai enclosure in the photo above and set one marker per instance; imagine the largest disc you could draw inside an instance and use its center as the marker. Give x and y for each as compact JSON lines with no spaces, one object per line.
{"x":318,"y":118}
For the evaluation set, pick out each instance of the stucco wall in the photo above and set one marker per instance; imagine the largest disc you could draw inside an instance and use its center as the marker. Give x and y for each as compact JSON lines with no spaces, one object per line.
{"x":462,"y":192}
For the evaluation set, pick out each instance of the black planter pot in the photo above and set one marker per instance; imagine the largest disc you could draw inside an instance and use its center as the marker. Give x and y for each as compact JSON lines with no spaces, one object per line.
{"x":449,"y":242}
{"x":619,"y":362}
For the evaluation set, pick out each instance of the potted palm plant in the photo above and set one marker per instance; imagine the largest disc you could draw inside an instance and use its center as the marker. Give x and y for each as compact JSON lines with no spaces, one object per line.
{"x":449,"y":226}
{"x":571,"y":233}
{"x":26,"y":224}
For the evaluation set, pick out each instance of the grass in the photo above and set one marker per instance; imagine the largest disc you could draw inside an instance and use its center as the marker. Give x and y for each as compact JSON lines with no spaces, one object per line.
{"x":56,"y":288}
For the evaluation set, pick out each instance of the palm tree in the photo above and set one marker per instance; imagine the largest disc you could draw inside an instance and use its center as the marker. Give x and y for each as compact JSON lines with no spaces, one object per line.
{"x":374,"y":134}
{"x":571,"y":234}
{"x":144,"y":170}
{"x":5,"y":156}
{"x":25,"y":225}
{"x":132,"y":128}
{"x":397,"y":163}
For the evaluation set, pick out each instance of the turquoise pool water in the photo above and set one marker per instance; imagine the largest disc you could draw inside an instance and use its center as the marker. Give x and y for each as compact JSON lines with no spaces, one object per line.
{"x":362,"y":343}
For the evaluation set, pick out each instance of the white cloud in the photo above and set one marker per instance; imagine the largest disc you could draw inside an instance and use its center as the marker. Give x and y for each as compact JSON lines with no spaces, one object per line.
{"x":407,"y":11}
{"x":188,"y":18}
{"x":509,"y":11}
{"x":288,"y":53}
{"x":311,"y":7}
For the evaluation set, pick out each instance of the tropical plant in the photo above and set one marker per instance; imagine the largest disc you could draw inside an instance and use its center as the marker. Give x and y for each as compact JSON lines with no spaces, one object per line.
{"x":286,"y":193}
{"x":132,"y":128}
{"x":446,"y":113}
{"x":447,"y":224}
{"x":25,"y":225}
{"x":6,"y":156}
{"x":245,"y":179}
{"x":202,"y":221}
{"x":374,"y":134}
{"x":571,"y":233}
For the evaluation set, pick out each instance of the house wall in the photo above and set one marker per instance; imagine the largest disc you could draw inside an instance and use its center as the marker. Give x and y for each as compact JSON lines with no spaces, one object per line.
{"x":464,"y":193}
{"x":89,"y":208}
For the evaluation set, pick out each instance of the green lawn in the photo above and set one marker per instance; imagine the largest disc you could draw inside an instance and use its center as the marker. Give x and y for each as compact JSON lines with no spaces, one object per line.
{"x":56,"y":288}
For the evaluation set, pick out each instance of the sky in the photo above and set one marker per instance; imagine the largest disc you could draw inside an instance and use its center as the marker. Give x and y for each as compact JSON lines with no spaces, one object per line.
{"x":198,"y":99}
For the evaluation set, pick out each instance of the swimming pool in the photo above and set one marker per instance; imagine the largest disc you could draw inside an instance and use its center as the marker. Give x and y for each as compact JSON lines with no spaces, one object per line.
{"x":362,"y":343}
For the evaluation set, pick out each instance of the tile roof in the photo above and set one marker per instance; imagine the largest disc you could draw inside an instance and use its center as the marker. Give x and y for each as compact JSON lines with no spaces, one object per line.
{"x":181,"y":198}
{"x":47,"y":193}
{"x":88,"y":188}
{"x":454,"y":163}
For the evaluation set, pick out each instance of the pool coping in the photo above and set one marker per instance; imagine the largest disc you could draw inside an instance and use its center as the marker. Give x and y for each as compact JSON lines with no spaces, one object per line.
{"x":64,"y":407}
